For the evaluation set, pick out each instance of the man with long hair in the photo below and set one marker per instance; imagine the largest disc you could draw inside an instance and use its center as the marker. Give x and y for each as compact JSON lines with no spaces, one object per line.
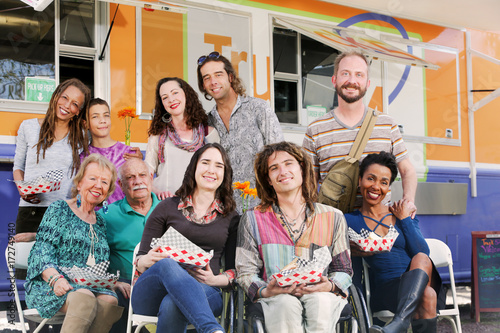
{"x":245,"y":124}
{"x":289,"y":224}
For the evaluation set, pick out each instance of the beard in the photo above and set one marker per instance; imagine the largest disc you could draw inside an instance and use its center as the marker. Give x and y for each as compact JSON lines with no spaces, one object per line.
{"x":350,"y":99}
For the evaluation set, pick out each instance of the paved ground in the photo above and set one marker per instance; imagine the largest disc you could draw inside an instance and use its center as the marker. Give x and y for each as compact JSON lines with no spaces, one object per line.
{"x":490,"y":322}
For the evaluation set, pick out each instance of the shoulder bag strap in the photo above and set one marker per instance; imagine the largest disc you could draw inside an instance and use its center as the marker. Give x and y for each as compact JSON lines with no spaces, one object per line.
{"x":363,"y":135}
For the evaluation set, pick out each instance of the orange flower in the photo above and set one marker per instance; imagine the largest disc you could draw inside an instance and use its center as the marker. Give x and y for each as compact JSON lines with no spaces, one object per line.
{"x":246,"y":190}
{"x":241,"y":186}
{"x":250,"y":191}
{"x":127,"y":112}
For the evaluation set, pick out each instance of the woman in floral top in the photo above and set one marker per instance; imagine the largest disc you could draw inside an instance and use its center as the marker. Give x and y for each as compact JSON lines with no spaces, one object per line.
{"x":203,"y":211}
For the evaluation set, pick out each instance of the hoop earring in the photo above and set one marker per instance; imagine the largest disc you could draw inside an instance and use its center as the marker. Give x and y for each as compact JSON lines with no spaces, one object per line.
{"x":105,"y":206}
{"x":166,"y":118}
{"x":78,"y":200}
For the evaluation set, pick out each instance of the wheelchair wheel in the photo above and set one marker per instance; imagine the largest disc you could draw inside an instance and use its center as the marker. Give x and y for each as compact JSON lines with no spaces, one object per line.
{"x":360,"y":311}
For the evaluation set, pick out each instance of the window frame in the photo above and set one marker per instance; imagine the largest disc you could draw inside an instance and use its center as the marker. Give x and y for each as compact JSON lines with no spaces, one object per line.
{"x":302,"y":123}
{"x":71,"y":51}
{"x":288,"y":77}
{"x":302,"y":113}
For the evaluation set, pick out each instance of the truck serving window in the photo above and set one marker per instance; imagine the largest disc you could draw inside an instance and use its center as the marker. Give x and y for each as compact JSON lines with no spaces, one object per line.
{"x":303,"y":68}
{"x":29,"y":64}
{"x":27,"y":48}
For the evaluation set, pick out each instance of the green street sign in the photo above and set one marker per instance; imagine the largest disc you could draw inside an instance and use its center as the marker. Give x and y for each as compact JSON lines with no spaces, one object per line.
{"x":39,"y":89}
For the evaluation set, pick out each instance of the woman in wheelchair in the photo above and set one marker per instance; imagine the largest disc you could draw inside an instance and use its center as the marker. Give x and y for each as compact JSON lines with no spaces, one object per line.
{"x":407,"y":267}
{"x":203,"y":211}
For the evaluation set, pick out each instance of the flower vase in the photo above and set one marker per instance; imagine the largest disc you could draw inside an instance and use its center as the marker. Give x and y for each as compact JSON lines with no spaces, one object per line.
{"x":127,"y":137}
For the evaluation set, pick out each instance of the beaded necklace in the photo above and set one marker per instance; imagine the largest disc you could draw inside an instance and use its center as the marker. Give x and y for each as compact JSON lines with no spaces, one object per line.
{"x":291,"y":231}
{"x":293,"y":221}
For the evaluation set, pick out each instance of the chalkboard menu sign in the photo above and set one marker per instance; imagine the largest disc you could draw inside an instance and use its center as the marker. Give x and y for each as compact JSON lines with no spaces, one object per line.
{"x":486,"y":272}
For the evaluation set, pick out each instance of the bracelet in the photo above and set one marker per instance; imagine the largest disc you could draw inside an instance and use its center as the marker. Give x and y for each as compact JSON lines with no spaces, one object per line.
{"x":54,"y":280}
{"x":260,"y":292}
{"x":333,"y":286}
{"x":50,"y":281}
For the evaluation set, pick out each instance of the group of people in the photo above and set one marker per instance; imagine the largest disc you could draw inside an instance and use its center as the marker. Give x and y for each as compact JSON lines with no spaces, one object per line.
{"x":196,"y":158}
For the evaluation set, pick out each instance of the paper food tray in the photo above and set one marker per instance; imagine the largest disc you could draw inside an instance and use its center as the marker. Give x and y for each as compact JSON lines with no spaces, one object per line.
{"x":92,"y":276}
{"x":369,"y":242}
{"x":182,"y":250}
{"x":49,"y":182}
{"x":307,"y":271}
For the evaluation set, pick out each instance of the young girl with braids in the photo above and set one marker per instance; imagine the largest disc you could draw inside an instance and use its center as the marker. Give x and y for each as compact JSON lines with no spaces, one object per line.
{"x":51,"y":143}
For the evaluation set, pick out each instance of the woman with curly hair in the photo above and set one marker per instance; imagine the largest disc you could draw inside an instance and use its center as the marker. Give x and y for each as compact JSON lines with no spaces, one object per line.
{"x":179,"y":128}
{"x":50,"y":143}
{"x":203,"y":211}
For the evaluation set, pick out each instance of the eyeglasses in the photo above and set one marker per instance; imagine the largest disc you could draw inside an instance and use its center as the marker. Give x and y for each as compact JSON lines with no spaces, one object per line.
{"x":203,"y":58}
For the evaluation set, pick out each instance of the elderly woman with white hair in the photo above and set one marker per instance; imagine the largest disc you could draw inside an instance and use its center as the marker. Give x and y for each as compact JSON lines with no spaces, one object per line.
{"x":72,"y":234}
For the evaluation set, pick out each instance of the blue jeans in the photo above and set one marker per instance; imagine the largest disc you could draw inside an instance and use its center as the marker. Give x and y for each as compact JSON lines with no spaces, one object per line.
{"x":166,"y":290}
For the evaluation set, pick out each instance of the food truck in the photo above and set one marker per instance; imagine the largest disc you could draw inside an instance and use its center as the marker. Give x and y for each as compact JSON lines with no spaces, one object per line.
{"x":439,"y":82}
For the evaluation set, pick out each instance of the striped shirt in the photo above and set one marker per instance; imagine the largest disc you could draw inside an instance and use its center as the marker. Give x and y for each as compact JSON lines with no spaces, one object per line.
{"x":328,"y":141}
{"x":265,"y":246}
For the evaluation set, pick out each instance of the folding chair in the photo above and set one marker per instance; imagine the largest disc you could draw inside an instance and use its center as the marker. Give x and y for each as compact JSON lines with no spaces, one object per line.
{"x":20,"y":253}
{"x":440,"y":254}
{"x":227,"y":316}
{"x":141,"y":320}
{"x":353,"y":316}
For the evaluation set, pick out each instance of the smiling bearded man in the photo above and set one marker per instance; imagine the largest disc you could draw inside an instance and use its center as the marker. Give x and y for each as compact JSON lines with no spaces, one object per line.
{"x":329,"y":138}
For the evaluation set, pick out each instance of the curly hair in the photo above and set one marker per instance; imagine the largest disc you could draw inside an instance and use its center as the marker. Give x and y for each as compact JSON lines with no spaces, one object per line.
{"x":103,"y":164}
{"x":77,"y":138}
{"x":236,"y":82}
{"x":266,"y":192}
{"x":194,"y":112}
{"x":225,"y":191}
{"x":384,"y":159}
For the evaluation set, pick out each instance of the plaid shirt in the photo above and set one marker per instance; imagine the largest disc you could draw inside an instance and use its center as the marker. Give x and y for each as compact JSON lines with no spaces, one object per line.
{"x":187,"y":208}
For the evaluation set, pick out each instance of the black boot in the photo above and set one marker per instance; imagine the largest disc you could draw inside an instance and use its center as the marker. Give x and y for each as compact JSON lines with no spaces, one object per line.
{"x":411,"y":288}
{"x":424,"y":325}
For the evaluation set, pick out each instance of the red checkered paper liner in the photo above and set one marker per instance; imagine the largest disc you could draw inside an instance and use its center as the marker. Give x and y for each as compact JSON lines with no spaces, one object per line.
{"x":51,"y":181}
{"x":92,"y":276}
{"x":368,"y":241}
{"x":182,"y":250}
{"x":307,"y":271}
